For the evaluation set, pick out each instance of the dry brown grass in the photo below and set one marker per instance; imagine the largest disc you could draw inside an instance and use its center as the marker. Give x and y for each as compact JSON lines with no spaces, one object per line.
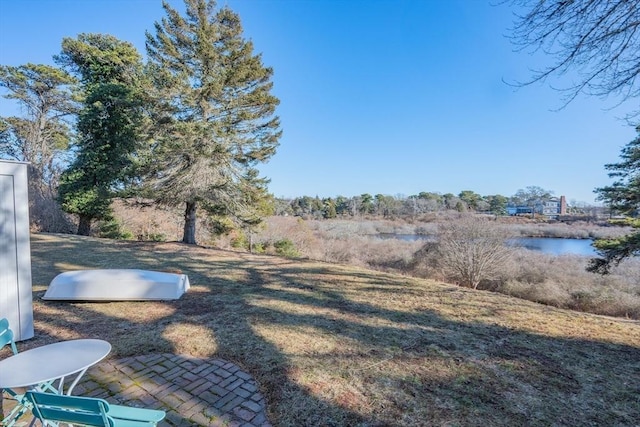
{"x":561,"y":281}
{"x":334,"y":345}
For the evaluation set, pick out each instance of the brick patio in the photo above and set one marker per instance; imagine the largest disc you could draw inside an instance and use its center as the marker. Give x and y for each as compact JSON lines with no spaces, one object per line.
{"x":193,"y":391}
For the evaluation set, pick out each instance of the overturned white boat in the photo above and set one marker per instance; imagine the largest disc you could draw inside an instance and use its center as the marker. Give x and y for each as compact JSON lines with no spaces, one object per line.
{"x":116,"y":285}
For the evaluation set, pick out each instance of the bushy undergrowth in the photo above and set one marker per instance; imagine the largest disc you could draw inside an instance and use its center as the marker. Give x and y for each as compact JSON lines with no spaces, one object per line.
{"x":151,"y":223}
{"x":342,"y":241}
{"x":112,"y":229}
{"x":282,"y":247}
{"x":45,"y":214}
{"x":560,"y":281}
{"x":574,"y":230}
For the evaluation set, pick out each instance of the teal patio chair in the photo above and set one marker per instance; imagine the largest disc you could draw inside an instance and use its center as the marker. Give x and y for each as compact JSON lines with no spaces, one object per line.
{"x":22,"y":404}
{"x":52,"y":409}
{"x":6,"y":337}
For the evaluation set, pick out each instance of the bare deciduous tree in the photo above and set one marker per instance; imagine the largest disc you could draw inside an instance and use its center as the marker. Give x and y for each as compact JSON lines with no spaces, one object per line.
{"x":40,"y":135}
{"x":598,"y":39}
{"x":472,"y":249}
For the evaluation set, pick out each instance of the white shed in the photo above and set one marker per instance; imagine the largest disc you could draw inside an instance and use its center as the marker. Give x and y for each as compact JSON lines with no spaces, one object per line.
{"x":15,"y":250}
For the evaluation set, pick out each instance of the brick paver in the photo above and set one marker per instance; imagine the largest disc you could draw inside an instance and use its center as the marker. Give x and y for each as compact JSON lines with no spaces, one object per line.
{"x":193,"y":392}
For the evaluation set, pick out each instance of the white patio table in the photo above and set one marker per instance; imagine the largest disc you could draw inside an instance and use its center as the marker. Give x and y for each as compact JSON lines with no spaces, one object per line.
{"x":40,"y":366}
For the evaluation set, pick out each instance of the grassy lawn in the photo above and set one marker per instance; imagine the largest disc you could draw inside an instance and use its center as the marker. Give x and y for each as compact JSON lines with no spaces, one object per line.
{"x":333,"y":345}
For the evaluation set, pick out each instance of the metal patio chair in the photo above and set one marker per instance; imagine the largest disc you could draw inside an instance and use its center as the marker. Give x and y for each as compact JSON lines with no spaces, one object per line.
{"x":53,"y":409}
{"x":6,"y":338}
{"x":22,"y":404}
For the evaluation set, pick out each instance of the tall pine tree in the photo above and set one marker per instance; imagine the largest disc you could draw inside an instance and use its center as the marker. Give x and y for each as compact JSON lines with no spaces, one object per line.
{"x":622,"y":196}
{"x":109,"y":125}
{"x":217,"y":117}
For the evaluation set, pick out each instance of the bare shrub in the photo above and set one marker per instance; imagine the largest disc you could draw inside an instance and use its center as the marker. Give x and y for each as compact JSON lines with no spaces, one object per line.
{"x":562,"y":281}
{"x":342,"y":241}
{"x":45,"y":213}
{"x":575,"y":230}
{"x":472,"y":249}
{"x":426,"y":262}
{"x":147,"y":221}
{"x":427,"y":229}
{"x":368,"y":227}
{"x":543,"y":292}
{"x":338,"y":227}
{"x":387,"y":254}
{"x":278,"y":228}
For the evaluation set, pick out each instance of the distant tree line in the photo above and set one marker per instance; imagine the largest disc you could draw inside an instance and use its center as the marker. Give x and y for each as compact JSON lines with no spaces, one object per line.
{"x":400,"y":206}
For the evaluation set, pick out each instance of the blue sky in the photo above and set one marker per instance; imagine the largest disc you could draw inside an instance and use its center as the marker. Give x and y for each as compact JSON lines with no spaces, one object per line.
{"x":380,"y":96}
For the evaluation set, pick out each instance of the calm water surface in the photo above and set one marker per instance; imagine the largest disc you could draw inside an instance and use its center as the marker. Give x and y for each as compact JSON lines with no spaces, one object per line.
{"x":555,"y":246}
{"x":547,"y":245}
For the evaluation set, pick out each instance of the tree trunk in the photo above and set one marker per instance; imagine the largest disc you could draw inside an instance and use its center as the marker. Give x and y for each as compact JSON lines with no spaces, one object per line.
{"x":189,"y":235}
{"x":84,"y":225}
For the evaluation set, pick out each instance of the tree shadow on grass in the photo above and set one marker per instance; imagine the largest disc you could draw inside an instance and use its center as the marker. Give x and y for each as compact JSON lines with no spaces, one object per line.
{"x":333,"y":346}
{"x":136,"y":328}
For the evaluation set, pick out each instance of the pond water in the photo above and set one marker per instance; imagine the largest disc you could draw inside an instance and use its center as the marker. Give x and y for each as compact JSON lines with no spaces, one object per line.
{"x":556,"y":246}
{"x":547,"y":245}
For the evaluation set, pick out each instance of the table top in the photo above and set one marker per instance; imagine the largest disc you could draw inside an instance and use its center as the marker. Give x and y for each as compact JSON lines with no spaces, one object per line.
{"x":50,"y":362}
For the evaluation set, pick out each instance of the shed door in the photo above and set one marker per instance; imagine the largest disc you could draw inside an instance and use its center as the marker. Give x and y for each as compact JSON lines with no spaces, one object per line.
{"x":15,"y":250}
{"x":8,"y":248}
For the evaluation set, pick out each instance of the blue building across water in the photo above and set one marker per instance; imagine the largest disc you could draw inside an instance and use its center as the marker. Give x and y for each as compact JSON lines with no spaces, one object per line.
{"x":551,"y":208}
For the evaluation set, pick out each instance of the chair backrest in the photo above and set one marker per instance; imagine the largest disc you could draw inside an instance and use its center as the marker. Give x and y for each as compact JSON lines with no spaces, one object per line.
{"x":6,"y":335}
{"x":86,"y":411}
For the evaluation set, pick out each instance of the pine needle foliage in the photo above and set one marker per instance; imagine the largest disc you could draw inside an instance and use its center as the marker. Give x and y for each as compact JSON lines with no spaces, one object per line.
{"x":215,"y":114}
{"x":109,"y":124}
{"x":622,"y":196}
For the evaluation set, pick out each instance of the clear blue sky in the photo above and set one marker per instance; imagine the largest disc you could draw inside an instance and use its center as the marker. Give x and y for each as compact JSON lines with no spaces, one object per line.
{"x":380,"y":96}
